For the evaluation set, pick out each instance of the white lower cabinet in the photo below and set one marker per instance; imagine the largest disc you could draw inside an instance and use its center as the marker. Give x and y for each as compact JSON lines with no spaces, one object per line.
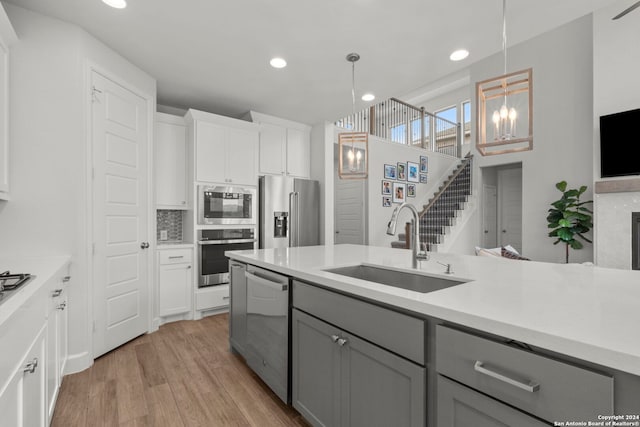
{"x":34,"y":354}
{"x":22,"y":402}
{"x":212,"y":297}
{"x":175,"y":281}
{"x":57,"y":325}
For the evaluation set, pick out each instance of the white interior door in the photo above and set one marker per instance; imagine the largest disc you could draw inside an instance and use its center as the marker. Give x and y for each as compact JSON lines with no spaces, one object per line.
{"x":510,"y":202}
{"x":349,"y":210}
{"x":489,"y":216}
{"x":120,"y":135}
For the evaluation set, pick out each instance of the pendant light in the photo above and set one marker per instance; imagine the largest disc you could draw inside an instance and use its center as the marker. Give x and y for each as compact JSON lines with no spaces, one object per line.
{"x":508,"y":128}
{"x":504,"y":119}
{"x":353,"y":146}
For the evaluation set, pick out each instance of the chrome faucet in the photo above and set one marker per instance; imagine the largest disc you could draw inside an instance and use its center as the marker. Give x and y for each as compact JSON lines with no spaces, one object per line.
{"x":417,"y":253}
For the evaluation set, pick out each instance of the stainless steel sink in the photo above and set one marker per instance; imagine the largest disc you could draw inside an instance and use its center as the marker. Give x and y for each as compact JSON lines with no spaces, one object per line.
{"x":398,"y":279}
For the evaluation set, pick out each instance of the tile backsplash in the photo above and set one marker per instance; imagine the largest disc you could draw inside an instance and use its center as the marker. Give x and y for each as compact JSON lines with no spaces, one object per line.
{"x":171,"y":222}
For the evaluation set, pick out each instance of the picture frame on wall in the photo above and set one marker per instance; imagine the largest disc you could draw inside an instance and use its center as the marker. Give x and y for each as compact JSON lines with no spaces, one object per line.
{"x":411,"y":190}
{"x":389,"y":171}
{"x":423,"y":178}
{"x":424,"y":164}
{"x":386,"y":188}
{"x":402,"y":171}
{"x":412,"y":172}
{"x":386,"y":202}
{"x":399,"y":191}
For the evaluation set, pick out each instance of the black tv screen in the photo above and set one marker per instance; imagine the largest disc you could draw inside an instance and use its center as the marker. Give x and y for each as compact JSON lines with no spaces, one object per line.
{"x":618,"y":140}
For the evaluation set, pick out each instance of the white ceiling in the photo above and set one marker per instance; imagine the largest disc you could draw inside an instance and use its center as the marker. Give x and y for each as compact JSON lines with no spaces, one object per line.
{"x":214,"y":55}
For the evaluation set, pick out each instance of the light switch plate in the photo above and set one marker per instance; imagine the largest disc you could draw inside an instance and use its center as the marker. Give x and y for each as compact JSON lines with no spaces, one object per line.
{"x":164,"y":234}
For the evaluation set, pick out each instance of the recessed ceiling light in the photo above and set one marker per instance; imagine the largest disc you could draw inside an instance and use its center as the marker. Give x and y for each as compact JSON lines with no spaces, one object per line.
{"x":118,"y":4}
{"x":459,"y":55}
{"x":278,"y":63}
{"x":368,"y":97}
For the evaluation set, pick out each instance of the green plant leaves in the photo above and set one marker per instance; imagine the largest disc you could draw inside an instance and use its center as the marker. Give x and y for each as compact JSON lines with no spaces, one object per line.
{"x":570,"y":218}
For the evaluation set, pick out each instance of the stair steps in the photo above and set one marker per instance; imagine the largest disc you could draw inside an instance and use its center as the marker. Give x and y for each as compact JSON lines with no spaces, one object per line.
{"x":440,"y":213}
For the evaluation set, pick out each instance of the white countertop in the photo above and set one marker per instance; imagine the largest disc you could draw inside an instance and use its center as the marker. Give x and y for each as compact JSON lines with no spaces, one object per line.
{"x":42,"y":267}
{"x":587,"y":312}
{"x":163,"y":245}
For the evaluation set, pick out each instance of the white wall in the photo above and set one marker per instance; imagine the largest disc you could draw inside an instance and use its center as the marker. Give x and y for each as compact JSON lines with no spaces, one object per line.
{"x":48,"y":142}
{"x":616,"y":87}
{"x":562,"y":97}
{"x":382,"y":152}
{"x":322,"y":170}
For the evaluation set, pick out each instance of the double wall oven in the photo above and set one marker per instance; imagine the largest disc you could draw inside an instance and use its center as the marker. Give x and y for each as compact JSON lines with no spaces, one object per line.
{"x":233,"y":211}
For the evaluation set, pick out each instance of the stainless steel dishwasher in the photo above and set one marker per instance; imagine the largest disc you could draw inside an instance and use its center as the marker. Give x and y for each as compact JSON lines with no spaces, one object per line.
{"x":268,"y":328}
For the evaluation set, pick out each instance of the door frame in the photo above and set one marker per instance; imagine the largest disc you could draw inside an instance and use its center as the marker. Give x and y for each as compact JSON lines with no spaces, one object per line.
{"x":150,"y":100}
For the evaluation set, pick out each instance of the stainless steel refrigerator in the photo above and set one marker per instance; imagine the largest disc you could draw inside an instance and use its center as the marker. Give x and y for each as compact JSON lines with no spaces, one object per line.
{"x":289,"y":212}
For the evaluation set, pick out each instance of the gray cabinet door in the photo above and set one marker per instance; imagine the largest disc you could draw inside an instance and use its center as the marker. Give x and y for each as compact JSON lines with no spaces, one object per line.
{"x":315,"y":370}
{"x":238,"y":315}
{"x":379,"y":388}
{"x":460,"y":406}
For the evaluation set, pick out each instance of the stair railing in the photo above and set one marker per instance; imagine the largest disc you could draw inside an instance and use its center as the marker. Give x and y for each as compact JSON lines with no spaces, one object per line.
{"x":406,"y":124}
{"x":444,"y":205}
{"x":466,"y":161}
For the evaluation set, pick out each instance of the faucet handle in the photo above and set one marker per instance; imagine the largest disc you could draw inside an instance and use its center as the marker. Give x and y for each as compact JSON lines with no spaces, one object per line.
{"x":422,"y":254}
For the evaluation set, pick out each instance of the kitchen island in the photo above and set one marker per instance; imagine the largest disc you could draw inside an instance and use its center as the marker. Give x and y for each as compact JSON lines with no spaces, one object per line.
{"x":580,"y":314}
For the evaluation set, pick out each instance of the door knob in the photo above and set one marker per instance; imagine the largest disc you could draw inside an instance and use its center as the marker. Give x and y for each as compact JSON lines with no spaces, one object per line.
{"x":144,"y":245}
{"x":486,"y":231}
{"x":504,"y":231}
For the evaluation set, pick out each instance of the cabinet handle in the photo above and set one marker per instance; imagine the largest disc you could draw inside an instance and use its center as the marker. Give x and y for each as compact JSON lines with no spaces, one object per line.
{"x":342,"y":341}
{"x":531,"y":387}
{"x":30,"y":367}
{"x":61,"y":306}
{"x":65,"y":279}
{"x":56,"y":293}
{"x":334,"y":338}
{"x":226,"y":297}
{"x":176,"y":257}
{"x":188,"y":267}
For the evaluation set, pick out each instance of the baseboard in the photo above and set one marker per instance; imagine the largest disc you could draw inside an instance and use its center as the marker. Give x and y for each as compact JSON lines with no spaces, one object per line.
{"x":78,"y":362}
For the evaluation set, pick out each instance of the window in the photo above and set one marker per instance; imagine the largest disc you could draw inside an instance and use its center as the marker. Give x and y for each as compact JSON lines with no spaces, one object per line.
{"x":446,"y":124}
{"x":399,"y":134}
{"x":466,"y":122}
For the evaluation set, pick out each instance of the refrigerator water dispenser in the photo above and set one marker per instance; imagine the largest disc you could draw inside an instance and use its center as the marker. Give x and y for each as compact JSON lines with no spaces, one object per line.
{"x":280,"y":220}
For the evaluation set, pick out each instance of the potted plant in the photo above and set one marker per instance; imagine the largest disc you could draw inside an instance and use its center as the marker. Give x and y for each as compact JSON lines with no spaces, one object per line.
{"x":570,"y":218}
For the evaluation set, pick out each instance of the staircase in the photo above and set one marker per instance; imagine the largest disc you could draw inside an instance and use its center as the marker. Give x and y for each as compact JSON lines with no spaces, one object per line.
{"x":443,"y":208}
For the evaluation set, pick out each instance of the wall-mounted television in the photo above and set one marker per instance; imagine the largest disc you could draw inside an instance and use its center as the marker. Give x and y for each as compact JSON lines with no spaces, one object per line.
{"x":619,"y":140}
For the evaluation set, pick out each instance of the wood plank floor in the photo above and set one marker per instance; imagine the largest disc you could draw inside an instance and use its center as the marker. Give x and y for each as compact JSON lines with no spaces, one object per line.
{"x":181,"y":375}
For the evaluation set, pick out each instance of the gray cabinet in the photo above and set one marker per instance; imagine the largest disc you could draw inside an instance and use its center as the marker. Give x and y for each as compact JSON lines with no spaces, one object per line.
{"x":238,"y":309}
{"x":315,"y":370}
{"x":539,"y":385}
{"x":460,"y":406}
{"x":340,"y":379}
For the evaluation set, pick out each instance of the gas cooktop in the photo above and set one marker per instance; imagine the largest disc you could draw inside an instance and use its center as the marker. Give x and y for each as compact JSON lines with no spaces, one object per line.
{"x":10,"y":282}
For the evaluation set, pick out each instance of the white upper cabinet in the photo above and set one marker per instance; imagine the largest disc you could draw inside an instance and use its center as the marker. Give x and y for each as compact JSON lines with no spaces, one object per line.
{"x":284,"y":146}
{"x":171,"y":162}
{"x":226,"y":149}
{"x":7,"y":37}
{"x":272,"y":149}
{"x":298,"y":152}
